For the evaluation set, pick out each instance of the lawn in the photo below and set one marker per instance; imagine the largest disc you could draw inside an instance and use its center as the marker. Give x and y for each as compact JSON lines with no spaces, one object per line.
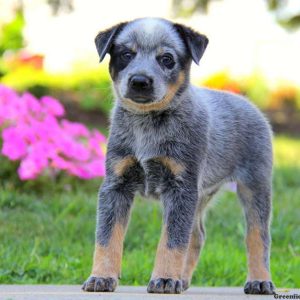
{"x":47,"y":231}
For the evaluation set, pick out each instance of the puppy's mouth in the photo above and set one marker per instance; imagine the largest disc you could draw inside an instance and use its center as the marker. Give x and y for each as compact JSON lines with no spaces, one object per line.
{"x":139,"y":98}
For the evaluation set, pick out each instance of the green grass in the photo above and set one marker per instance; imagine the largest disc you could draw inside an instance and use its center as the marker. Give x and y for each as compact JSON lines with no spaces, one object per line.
{"x":47,"y":231}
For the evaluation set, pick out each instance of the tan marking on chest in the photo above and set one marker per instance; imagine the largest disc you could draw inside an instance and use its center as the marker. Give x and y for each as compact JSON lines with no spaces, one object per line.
{"x":123,"y":165}
{"x":175,"y":167}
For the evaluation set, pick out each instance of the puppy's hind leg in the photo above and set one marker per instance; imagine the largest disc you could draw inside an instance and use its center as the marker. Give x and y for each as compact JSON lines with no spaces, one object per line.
{"x":256,"y":201}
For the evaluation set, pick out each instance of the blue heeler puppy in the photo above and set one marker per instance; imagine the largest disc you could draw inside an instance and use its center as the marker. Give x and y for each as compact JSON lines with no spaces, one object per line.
{"x":179,"y":143}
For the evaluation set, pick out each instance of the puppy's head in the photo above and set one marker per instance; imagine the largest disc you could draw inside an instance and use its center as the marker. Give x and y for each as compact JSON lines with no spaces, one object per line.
{"x":150,"y":60}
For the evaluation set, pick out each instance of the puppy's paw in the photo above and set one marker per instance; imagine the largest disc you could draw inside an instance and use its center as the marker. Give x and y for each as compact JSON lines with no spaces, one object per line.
{"x":100,"y":284}
{"x":185,"y":284}
{"x":165,"y":286}
{"x":259,"y":287}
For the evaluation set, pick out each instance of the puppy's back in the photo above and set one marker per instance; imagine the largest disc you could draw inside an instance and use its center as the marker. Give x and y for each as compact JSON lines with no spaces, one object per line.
{"x":239,"y":134}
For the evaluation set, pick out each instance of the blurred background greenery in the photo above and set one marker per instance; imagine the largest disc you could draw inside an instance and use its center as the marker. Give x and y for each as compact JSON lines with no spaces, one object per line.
{"x":46,"y":47}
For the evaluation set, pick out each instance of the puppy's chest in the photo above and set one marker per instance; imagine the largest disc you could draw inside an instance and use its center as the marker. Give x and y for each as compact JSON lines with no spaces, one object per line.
{"x":147,"y":144}
{"x":151,"y":138}
{"x":152,"y":153}
{"x":158,"y":174}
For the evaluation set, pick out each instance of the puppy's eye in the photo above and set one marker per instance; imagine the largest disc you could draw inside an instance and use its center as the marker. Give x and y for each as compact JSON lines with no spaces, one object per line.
{"x":127,"y":56}
{"x":167,"y":60}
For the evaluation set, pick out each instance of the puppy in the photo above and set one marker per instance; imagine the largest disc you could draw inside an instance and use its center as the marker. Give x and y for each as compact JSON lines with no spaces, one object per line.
{"x":180,"y":144}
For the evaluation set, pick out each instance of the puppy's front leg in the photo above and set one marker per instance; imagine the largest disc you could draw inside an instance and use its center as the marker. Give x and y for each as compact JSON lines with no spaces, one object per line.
{"x":179,"y":209}
{"x":115,"y":200}
{"x":112,"y":217}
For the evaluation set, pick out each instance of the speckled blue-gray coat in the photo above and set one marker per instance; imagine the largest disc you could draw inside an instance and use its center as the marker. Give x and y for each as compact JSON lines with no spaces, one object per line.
{"x":180,"y":144}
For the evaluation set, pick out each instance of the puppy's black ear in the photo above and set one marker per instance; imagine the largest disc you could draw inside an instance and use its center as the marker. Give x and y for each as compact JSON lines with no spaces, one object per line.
{"x":105,"y":39}
{"x":195,"y":42}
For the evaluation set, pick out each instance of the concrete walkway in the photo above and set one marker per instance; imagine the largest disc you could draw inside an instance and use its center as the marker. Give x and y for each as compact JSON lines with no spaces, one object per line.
{"x":73,"y":292}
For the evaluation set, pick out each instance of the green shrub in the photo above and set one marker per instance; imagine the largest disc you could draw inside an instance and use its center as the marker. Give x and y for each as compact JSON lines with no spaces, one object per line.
{"x":11,"y":37}
{"x":90,"y":89}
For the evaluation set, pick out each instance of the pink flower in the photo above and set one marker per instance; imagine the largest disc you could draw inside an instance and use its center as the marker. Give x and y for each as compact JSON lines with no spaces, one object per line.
{"x":52,"y":106}
{"x":74,"y":128}
{"x":31,"y":103}
{"x":7,"y":95}
{"x":29,"y":168}
{"x":33,"y":134}
{"x":14,"y":146}
{"x":40,"y":153}
{"x":73,"y":149}
{"x":8,"y":101}
{"x":80,"y":171}
{"x":96,"y":141}
{"x":98,"y":136}
{"x":97,"y":167}
{"x":60,"y":163}
{"x":46,"y":129}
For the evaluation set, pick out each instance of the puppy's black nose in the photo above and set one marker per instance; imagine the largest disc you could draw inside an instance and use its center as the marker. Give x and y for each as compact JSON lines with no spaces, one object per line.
{"x":140,"y":83}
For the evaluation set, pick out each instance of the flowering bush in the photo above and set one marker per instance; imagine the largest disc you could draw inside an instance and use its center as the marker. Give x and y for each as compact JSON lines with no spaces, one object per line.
{"x":222,"y":81}
{"x":35,"y":133}
{"x":284,"y":97}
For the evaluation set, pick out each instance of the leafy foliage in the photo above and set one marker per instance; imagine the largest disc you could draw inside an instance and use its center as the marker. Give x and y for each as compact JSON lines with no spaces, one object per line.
{"x":257,"y":90}
{"x":285,"y":17}
{"x":11,"y":36}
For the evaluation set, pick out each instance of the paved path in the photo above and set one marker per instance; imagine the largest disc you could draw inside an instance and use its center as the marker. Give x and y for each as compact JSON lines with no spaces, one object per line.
{"x":73,"y":292}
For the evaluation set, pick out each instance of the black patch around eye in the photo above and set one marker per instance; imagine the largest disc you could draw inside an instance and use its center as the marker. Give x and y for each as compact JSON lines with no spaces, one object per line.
{"x":127,"y":56}
{"x":184,"y":62}
{"x":120,"y":57}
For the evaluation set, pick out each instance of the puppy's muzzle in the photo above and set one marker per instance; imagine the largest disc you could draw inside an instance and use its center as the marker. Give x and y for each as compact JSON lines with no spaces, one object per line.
{"x":140,"y":88}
